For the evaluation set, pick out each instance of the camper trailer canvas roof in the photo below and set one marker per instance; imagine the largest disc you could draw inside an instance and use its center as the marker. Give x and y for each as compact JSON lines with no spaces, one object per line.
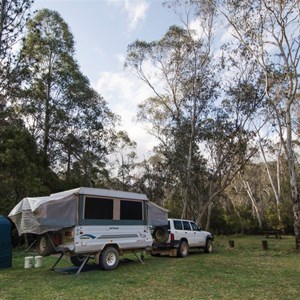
{"x":41,"y":214}
{"x":102,"y":193}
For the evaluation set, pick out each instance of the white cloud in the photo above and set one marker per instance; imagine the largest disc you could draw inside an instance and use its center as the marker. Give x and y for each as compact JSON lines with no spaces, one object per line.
{"x":135,"y":10}
{"x":124,"y":92}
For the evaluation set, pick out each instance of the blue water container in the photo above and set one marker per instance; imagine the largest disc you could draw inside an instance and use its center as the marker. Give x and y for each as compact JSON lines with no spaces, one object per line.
{"x":5,"y":243}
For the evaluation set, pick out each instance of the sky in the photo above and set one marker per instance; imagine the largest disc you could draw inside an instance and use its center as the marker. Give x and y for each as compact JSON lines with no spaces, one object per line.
{"x":102,"y":30}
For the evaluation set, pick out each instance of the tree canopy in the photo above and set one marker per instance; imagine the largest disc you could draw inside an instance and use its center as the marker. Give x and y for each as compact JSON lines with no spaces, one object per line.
{"x":226,"y":116}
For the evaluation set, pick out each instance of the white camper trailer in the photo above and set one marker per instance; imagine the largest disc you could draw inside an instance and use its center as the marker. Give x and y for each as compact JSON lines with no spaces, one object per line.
{"x":89,"y":222}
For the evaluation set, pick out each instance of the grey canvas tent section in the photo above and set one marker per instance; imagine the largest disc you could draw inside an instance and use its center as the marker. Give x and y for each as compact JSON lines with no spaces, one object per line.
{"x":5,"y":243}
{"x":157,"y":215}
{"x":42,"y":214}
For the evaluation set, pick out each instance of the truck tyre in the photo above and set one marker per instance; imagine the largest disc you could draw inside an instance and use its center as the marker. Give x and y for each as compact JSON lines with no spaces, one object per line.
{"x":183,"y":250}
{"x":45,"y":245}
{"x":77,"y":260}
{"x":109,"y":259}
{"x":208,"y":246}
{"x":160,"y":234}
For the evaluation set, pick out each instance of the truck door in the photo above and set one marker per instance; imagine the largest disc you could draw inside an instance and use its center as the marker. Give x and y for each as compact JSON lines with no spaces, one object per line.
{"x":188,"y":233}
{"x":198,"y":236}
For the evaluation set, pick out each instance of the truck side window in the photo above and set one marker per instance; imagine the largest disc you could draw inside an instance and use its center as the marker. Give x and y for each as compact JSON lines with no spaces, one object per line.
{"x":195,"y":226}
{"x":186,"y":225}
{"x":98,"y":208}
{"x":178,"y":225}
{"x":131,"y":210}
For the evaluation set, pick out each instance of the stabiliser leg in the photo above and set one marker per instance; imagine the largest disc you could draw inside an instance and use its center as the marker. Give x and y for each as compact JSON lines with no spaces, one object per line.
{"x":53,"y":267}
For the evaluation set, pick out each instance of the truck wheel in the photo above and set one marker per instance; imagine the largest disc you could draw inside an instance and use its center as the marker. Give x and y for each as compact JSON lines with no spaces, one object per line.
{"x":160,"y":234}
{"x":45,"y":245}
{"x":77,"y":260}
{"x":208,"y":246}
{"x":183,"y":250}
{"x":109,"y":259}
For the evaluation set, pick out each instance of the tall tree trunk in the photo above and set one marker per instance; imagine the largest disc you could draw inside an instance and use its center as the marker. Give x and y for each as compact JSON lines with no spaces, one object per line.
{"x":236,"y":210}
{"x":47,"y":112}
{"x":276,"y":190}
{"x":3,"y":15}
{"x":68,"y":173}
{"x":290,"y":157}
{"x":208,"y":216}
{"x":253,"y":202}
{"x":293,"y":182}
{"x":278,"y":200}
{"x":189,"y":164}
{"x":296,"y":211}
{"x":187,"y":181}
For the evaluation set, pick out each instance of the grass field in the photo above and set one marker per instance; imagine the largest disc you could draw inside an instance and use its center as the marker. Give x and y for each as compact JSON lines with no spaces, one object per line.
{"x":247,"y":272}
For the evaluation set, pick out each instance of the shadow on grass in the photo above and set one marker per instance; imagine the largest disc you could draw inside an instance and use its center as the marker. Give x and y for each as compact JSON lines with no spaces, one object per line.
{"x":72,"y":270}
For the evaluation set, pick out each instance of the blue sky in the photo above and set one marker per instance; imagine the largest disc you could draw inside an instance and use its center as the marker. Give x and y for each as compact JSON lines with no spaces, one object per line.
{"x":102,"y":31}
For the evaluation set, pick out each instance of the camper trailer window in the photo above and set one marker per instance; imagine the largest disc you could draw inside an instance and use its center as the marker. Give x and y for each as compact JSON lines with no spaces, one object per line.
{"x":98,"y":208}
{"x":131,"y":210}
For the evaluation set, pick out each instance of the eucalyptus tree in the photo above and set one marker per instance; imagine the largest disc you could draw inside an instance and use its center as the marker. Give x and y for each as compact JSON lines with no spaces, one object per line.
{"x":269,"y":32}
{"x":84,"y":134}
{"x":268,"y":147}
{"x":67,"y":117}
{"x":47,"y":52}
{"x":194,"y":106}
{"x":229,"y":133}
{"x":181,"y":63}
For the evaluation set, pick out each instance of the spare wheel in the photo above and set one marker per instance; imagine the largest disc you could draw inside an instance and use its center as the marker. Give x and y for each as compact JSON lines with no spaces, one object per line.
{"x":160,"y":234}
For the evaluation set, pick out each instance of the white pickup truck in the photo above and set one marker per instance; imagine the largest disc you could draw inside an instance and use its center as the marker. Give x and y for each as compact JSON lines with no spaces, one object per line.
{"x":179,"y":237}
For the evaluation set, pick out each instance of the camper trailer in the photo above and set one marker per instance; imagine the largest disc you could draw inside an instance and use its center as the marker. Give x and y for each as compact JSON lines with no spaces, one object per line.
{"x":86,"y":223}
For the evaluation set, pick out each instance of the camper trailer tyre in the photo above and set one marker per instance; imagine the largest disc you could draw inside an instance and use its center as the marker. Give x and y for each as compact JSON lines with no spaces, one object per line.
{"x":109,"y":259}
{"x":77,"y":260}
{"x":45,"y":245}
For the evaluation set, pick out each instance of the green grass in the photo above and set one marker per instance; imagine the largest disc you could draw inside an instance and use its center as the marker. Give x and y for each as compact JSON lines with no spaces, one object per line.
{"x":247,"y":272}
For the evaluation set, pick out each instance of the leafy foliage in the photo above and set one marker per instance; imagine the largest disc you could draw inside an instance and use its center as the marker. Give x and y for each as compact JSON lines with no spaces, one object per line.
{"x":206,"y":112}
{"x":65,"y":114}
{"x":13,"y":16}
{"x":21,"y":164}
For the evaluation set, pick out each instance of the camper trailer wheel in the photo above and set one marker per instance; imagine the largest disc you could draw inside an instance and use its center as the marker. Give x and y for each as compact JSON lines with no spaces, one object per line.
{"x":45,"y":245}
{"x":109,"y":259}
{"x":77,"y":260}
